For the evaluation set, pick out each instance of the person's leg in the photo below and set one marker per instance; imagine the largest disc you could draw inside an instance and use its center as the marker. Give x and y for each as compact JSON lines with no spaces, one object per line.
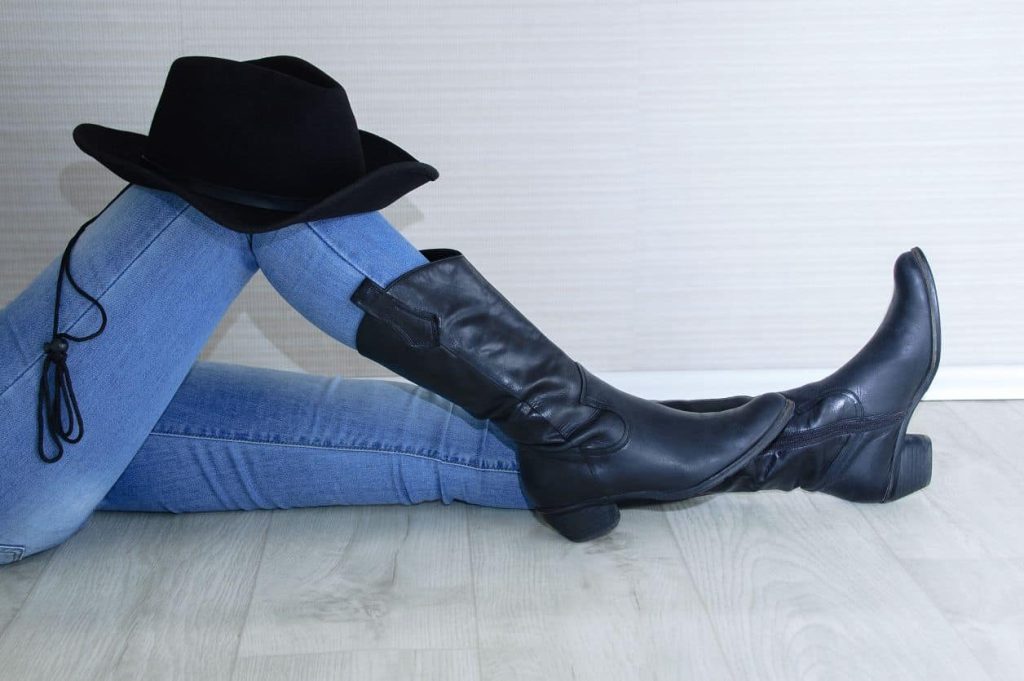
{"x":321,"y":441}
{"x":316,"y":266}
{"x":240,"y":438}
{"x":583,"y":446}
{"x":385,"y":442}
{"x":165,"y":274}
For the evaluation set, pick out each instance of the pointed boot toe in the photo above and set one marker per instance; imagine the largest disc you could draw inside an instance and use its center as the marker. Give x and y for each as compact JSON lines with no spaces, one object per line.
{"x":848,"y":436}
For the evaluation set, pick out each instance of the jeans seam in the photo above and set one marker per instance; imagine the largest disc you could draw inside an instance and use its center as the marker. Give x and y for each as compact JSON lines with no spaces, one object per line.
{"x":16,"y":551}
{"x":339,"y":253}
{"x":106,"y":290}
{"x":336,"y":448}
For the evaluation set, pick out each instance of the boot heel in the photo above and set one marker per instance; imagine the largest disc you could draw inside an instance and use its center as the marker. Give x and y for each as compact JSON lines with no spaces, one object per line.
{"x":915,"y":466}
{"x":583,"y":524}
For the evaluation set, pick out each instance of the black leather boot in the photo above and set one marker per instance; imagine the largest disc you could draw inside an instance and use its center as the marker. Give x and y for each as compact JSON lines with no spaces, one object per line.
{"x":583,"y":446}
{"x":848,"y":436}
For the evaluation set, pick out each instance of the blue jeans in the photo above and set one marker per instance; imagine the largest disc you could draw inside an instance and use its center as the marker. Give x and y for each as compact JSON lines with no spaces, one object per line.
{"x":164,"y":432}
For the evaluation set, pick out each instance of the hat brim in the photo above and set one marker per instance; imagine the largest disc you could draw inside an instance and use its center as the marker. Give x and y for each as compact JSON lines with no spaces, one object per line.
{"x":390,"y":173}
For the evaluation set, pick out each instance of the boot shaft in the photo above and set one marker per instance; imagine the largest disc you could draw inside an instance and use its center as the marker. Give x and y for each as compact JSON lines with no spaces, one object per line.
{"x":583,"y":446}
{"x":443,"y":326}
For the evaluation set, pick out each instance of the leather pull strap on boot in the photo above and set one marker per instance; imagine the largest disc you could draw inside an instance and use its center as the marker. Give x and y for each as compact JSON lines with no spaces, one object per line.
{"x":848,"y":435}
{"x":583,"y":446}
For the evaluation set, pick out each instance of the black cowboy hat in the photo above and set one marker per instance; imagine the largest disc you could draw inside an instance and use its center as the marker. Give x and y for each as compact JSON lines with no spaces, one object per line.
{"x":257,"y":145}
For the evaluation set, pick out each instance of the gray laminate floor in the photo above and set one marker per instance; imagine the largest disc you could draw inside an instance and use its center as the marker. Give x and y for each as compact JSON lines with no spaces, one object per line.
{"x":764,"y":586}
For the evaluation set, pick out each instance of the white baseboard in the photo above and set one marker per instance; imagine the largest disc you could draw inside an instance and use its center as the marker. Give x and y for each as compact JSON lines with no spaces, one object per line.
{"x":992,"y":382}
{"x":988,"y":382}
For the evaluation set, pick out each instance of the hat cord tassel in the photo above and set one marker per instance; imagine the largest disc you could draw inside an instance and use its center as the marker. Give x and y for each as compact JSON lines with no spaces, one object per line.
{"x":61,"y":398}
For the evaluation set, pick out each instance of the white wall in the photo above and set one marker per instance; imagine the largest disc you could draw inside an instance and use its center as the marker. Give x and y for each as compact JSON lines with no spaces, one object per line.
{"x":660,"y":186}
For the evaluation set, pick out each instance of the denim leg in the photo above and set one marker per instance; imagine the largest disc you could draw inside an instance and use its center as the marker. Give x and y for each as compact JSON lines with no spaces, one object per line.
{"x":317,"y":265}
{"x":165,"y":275}
{"x":237,"y":437}
{"x":415,"y":445}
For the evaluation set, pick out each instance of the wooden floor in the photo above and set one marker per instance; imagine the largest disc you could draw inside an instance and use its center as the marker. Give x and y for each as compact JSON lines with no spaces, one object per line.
{"x":763,"y":586}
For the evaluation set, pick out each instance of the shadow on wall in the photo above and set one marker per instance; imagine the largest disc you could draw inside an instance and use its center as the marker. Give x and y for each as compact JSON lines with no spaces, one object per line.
{"x":260,"y":325}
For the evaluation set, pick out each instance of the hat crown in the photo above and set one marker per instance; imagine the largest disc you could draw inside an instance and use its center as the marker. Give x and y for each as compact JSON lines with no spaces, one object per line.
{"x":278,"y":126}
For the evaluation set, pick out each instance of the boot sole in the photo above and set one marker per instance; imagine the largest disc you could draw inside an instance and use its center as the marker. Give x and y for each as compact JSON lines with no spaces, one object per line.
{"x":911,"y":465}
{"x":596,"y":518}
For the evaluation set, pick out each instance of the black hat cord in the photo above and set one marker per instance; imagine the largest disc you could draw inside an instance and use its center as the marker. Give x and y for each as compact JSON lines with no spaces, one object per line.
{"x":53,"y":403}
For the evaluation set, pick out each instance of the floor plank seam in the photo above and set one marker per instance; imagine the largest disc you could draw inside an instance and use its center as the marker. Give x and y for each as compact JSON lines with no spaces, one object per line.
{"x":697,"y":590}
{"x":862,"y":513}
{"x":472,"y":586}
{"x":31,"y":590}
{"x":913,"y":579}
{"x":252,"y":595}
{"x":360,"y":651}
{"x":1014,"y":466}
